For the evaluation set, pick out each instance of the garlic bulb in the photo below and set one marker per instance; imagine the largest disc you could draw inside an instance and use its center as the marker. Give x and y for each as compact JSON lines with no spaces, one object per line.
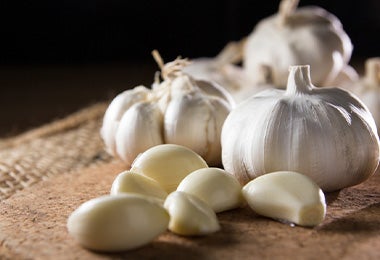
{"x":367,"y":88}
{"x":324,"y":133}
{"x":307,"y":35}
{"x":179,"y":110}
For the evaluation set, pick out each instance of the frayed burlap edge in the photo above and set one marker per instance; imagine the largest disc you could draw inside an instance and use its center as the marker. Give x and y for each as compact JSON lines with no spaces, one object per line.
{"x":59,"y":147}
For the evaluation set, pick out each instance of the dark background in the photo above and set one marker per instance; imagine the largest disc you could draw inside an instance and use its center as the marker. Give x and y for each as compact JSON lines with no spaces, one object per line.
{"x":60,"y":55}
{"x":88,"y":31}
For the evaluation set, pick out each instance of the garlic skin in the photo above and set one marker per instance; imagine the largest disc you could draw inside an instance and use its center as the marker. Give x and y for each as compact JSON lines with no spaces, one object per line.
{"x":130,"y":182}
{"x":215,"y":186}
{"x":117,"y":223}
{"x":288,"y":196}
{"x":347,"y":76}
{"x":115,"y":111}
{"x":367,"y":88}
{"x":306,"y":35}
{"x":179,"y":110}
{"x":324,"y":133}
{"x":168,"y":164}
{"x":190,"y":216}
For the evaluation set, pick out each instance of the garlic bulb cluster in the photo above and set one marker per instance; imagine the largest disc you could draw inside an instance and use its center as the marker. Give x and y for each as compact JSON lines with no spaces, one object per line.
{"x":324,"y":133}
{"x":367,"y":88}
{"x":307,"y":35}
{"x":179,"y":110}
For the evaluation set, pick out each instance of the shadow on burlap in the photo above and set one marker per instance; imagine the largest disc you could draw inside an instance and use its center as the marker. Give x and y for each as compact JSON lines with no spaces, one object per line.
{"x":62,"y":146}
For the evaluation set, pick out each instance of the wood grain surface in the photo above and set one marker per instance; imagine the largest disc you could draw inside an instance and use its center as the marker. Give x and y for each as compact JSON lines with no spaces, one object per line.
{"x":33,"y":226}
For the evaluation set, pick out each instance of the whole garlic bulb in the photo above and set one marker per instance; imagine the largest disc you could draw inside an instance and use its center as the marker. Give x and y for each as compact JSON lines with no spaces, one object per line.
{"x":307,"y":35}
{"x":179,"y":110}
{"x":367,"y":88}
{"x":324,"y":133}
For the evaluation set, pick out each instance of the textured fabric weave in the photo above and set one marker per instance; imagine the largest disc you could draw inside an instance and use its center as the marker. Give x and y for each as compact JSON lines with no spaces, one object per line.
{"x":62,"y":146}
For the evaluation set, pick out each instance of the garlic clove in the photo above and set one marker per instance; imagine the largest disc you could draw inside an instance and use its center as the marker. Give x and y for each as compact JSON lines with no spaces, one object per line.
{"x":194,"y":121}
{"x":215,"y":186}
{"x":139,"y":129}
{"x":130,"y":182}
{"x":190,"y":216}
{"x":288,"y":196}
{"x":115,"y":111}
{"x":168,"y":164}
{"x":117,"y":223}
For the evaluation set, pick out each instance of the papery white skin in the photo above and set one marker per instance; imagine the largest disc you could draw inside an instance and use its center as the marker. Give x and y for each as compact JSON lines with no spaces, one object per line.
{"x":347,"y":76}
{"x":141,"y":118}
{"x":222,"y":70}
{"x":307,"y":35}
{"x":115,"y":111}
{"x":367,"y":88}
{"x":286,"y":196}
{"x":324,"y":133}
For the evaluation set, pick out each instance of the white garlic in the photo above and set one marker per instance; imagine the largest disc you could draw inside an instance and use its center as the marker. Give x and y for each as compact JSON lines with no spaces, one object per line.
{"x":178,"y":110}
{"x":287,"y":196}
{"x":307,"y":35}
{"x":190,"y":216}
{"x":348,"y":75}
{"x":115,"y":111}
{"x":222,"y":70}
{"x":117,"y":223}
{"x":367,"y":88}
{"x":324,"y":133}
{"x":168,"y":164}
{"x":216,"y":187}
{"x":130,"y":182}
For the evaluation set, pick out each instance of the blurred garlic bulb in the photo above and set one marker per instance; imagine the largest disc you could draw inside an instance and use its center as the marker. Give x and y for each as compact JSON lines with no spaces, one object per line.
{"x":178,"y":110}
{"x":307,"y":35}
{"x":223,"y":71}
{"x":324,"y":133}
{"x":367,"y":88}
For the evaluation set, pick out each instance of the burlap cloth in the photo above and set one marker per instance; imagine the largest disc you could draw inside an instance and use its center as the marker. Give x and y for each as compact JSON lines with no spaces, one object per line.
{"x":47,"y":172}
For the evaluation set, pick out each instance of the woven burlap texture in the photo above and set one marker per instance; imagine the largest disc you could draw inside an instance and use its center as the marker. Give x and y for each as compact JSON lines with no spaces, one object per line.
{"x":62,"y":146}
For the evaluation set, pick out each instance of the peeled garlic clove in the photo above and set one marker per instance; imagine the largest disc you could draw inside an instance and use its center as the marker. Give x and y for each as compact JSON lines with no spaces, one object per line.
{"x":115,"y":111}
{"x":117,"y":223}
{"x":190,"y":216}
{"x":214,"y":186}
{"x":129,"y":182}
{"x":140,"y":128}
{"x":288,"y":196}
{"x":168,"y":164}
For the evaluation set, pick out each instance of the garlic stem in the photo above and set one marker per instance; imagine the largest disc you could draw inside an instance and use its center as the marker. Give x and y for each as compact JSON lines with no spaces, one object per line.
{"x":286,"y":8}
{"x":299,"y":80}
{"x":231,"y":53}
{"x":172,"y":69}
{"x":372,"y":71}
